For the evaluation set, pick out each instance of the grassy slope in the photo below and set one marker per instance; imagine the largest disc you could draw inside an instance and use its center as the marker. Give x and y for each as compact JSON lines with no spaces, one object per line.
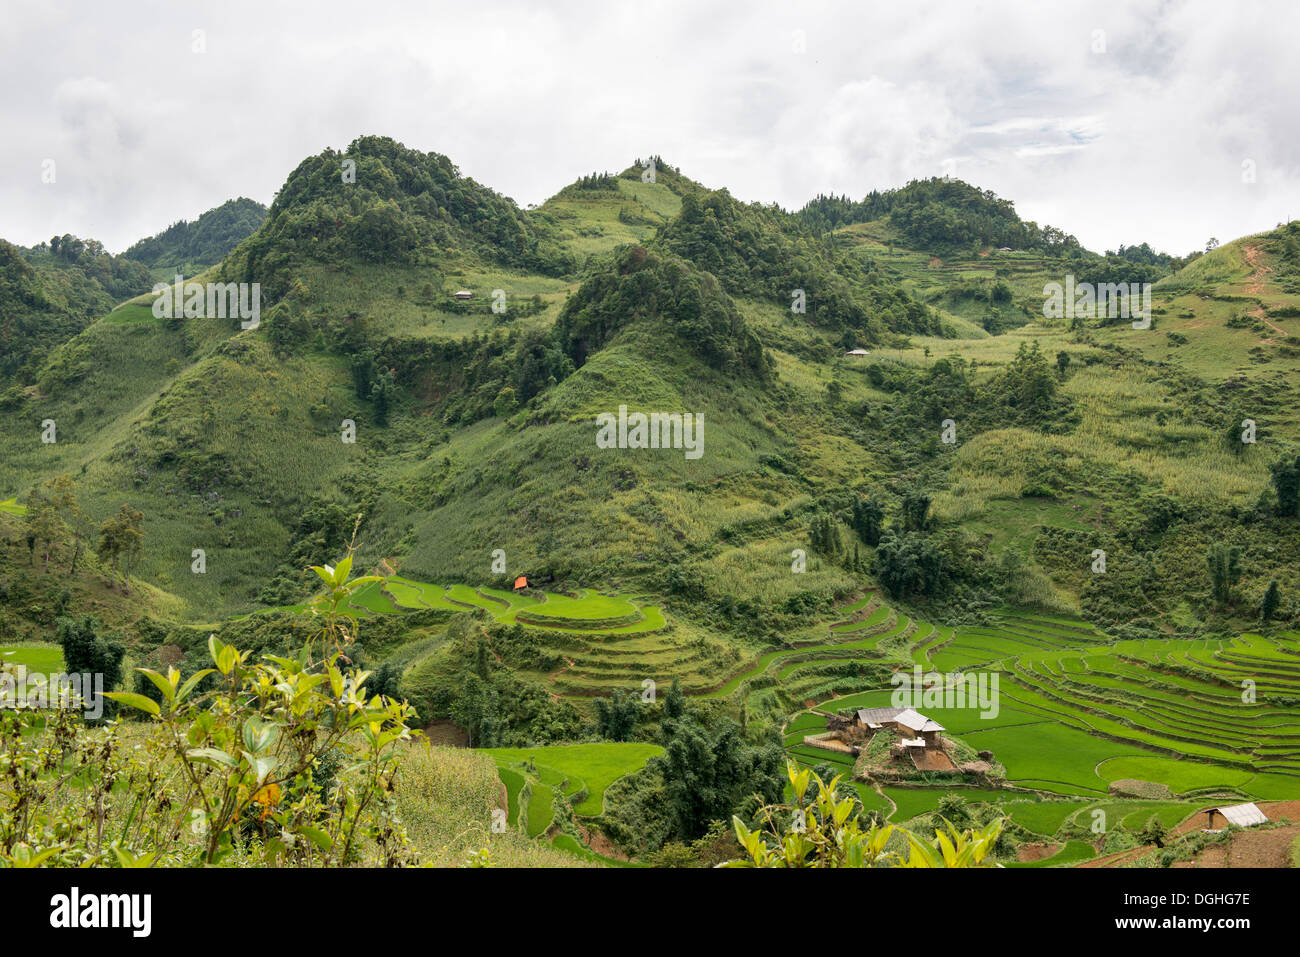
{"x":130,"y":390}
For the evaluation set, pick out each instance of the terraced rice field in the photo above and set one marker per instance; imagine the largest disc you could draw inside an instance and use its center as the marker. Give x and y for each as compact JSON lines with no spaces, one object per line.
{"x":580,"y":772}
{"x":606,"y":642}
{"x":819,"y":668}
{"x":1077,"y":712}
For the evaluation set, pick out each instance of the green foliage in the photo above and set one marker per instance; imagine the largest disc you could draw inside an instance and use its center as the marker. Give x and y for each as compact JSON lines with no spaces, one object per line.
{"x":1286,"y":481}
{"x":908,"y":563}
{"x":635,"y":285}
{"x":761,"y":252}
{"x":616,"y":716}
{"x":203,"y":242}
{"x":710,"y":771}
{"x":1224,"y":563}
{"x":229,"y":770}
{"x":87,"y":651}
{"x":826,"y":830}
{"x":402,"y":206}
{"x":50,"y":293}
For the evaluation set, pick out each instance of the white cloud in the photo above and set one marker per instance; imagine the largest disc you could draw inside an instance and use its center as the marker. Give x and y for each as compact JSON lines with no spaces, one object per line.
{"x":1143,"y":141}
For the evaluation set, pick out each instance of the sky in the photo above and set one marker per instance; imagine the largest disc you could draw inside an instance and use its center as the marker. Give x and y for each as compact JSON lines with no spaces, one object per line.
{"x":1163,"y":122}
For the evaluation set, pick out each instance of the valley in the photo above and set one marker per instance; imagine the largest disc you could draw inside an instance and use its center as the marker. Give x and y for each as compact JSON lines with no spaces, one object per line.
{"x":910,"y":463}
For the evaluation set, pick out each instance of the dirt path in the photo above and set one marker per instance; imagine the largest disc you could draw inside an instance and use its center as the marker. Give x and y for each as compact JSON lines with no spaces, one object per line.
{"x":1255,"y":287}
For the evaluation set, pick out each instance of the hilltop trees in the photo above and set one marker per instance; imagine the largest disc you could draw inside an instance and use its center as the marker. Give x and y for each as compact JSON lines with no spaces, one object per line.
{"x":636,"y":284}
{"x":204,"y":241}
{"x":380,"y":201}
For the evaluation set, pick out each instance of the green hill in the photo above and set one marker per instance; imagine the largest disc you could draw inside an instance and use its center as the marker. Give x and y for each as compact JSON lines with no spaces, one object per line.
{"x":193,"y":246}
{"x":828,"y":532}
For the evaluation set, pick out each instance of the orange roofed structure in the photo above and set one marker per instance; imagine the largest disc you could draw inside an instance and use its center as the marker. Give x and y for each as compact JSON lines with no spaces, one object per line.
{"x":521,"y":582}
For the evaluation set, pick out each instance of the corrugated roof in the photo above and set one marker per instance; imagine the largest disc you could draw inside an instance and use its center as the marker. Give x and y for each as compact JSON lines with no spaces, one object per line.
{"x":915,"y":721}
{"x":877,"y":715}
{"x":1243,"y":815}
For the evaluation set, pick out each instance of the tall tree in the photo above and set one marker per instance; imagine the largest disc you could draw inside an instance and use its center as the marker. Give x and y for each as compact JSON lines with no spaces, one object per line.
{"x":1269,"y":603}
{"x":1286,"y":481}
{"x":120,"y":542}
{"x":1224,"y":563}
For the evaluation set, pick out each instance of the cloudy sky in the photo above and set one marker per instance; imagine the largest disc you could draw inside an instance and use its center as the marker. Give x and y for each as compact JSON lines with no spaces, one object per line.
{"x":1167,"y":122}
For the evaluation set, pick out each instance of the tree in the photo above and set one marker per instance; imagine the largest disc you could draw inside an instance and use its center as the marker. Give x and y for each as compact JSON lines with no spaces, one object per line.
{"x":71,"y":516}
{"x":616,"y":717}
{"x":477,"y":710}
{"x":1062,"y":361}
{"x":85,"y":651}
{"x":916,"y":511}
{"x":867,"y":519}
{"x":709,"y":771}
{"x":44,"y":528}
{"x":1153,"y":832}
{"x":1224,"y":563}
{"x":120,"y":542}
{"x":381,"y":394}
{"x":1286,"y":481}
{"x":908,"y":564}
{"x":674,"y":700}
{"x":506,"y":404}
{"x":1268,"y":605}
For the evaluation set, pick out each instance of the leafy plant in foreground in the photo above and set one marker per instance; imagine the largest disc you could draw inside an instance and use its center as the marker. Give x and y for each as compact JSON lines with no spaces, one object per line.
{"x":825,"y":830}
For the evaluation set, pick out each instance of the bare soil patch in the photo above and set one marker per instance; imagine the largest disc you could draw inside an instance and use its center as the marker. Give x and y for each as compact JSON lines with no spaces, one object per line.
{"x":1027,"y":853}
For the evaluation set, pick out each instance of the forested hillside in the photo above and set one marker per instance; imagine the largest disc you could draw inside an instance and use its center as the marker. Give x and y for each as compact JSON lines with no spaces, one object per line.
{"x":423,"y":391}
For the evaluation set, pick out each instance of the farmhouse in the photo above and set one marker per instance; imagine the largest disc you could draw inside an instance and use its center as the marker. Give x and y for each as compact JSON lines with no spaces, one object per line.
{"x":463,"y":294}
{"x":857,"y":353}
{"x":915,"y":737}
{"x":915,"y":730}
{"x":1242,"y":815}
{"x":521,"y":583}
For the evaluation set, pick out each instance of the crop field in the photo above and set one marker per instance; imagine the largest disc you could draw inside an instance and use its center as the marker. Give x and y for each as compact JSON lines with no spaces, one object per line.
{"x":580,"y":773}
{"x":1077,"y":712}
{"x":38,"y":658}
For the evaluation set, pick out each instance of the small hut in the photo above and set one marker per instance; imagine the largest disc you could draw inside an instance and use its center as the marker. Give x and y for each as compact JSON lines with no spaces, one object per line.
{"x":1242,"y":815}
{"x":521,"y":583}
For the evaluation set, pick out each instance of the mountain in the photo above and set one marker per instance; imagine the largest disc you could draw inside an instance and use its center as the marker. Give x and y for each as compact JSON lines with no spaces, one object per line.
{"x":193,"y":246}
{"x":977,"y":457}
